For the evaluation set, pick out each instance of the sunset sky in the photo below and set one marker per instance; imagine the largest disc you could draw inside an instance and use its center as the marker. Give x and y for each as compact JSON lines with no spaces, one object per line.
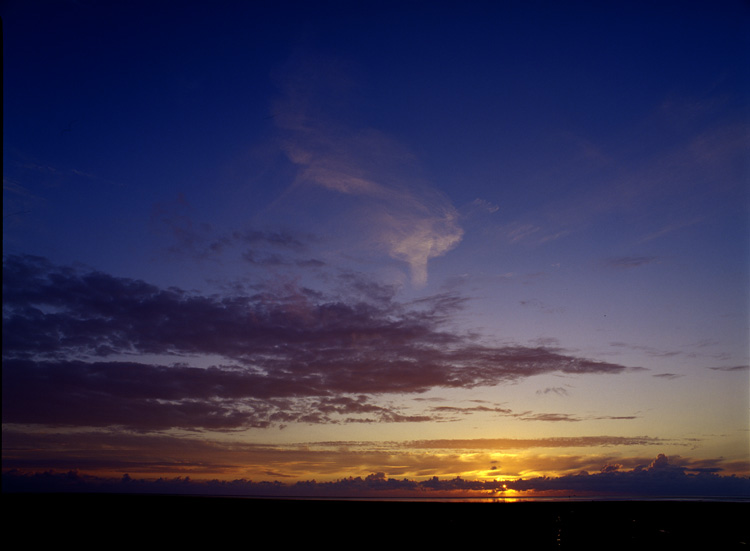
{"x":295,"y":241}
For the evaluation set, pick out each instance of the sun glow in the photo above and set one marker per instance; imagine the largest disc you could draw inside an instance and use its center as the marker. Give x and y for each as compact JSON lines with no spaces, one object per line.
{"x":507,"y":495}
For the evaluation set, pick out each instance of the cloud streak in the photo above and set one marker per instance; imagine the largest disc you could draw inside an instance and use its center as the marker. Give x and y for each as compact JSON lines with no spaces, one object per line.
{"x":527,"y":443}
{"x":79,"y":349}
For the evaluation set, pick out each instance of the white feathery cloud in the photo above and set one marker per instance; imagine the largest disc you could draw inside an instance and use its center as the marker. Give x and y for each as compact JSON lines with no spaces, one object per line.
{"x":398,"y":213}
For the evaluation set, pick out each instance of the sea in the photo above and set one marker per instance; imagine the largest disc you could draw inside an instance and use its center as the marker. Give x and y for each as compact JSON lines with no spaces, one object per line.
{"x":213,"y":522}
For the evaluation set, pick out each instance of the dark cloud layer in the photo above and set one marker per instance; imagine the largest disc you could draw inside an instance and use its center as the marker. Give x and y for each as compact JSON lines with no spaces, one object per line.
{"x":286,"y":354}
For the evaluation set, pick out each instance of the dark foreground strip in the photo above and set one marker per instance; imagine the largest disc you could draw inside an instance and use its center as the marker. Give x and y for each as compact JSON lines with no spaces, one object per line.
{"x":202,"y":522}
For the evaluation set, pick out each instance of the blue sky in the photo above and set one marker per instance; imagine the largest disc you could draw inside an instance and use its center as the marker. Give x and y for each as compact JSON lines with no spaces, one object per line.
{"x":377,"y":222}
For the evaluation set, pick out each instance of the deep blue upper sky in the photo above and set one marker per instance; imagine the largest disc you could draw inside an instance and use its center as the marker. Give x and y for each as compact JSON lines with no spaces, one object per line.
{"x":593,"y":127}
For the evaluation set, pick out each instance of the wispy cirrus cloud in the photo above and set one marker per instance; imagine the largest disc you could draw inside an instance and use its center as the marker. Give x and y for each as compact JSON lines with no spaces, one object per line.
{"x":79,"y":349}
{"x":396,"y":211}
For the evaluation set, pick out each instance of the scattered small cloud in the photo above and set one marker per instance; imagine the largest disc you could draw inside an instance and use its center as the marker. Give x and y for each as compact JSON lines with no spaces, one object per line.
{"x":558,"y":390}
{"x":668,"y":375}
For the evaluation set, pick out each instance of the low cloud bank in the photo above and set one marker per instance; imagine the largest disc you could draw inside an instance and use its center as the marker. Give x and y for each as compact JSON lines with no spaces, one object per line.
{"x":659,"y":479}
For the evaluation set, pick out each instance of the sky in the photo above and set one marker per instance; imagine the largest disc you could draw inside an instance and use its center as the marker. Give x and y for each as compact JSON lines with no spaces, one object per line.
{"x":395,"y":246}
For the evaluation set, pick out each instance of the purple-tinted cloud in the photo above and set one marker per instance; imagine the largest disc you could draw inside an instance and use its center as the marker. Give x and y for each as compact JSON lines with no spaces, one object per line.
{"x":287,"y":354}
{"x":732,"y":368}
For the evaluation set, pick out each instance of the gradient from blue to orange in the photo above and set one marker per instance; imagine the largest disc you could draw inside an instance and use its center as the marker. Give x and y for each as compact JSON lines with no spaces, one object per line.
{"x":292,"y":241}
